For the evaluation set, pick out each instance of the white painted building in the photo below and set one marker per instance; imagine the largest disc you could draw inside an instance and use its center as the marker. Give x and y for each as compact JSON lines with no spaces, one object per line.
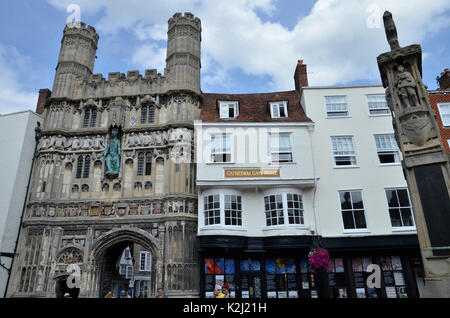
{"x":17,"y":141}
{"x":355,"y":151}
{"x":276,"y":181}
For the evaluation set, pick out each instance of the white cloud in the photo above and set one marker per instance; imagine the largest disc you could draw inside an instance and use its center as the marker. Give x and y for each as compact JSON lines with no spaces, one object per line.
{"x":333,"y":39}
{"x":149,"y":56}
{"x":13,"y":66}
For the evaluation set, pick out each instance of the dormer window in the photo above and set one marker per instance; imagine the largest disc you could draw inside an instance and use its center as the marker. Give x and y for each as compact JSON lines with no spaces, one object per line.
{"x":228,"y":110}
{"x":279,"y":110}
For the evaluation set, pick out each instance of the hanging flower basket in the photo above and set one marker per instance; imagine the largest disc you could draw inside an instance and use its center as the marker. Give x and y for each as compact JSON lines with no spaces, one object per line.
{"x":319,"y":259}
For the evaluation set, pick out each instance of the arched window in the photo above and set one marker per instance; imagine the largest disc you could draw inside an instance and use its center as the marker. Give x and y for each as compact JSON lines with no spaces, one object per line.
{"x":151,"y":114}
{"x":79,"y":167}
{"x":143,"y":114}
{"x":90,"y":118}
{"x":148,"y":164}
{"x":87,"y":166}
{"x":140,"y":167}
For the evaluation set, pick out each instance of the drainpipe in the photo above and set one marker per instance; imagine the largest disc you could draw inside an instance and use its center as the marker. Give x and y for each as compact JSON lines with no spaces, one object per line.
{"x":37,"y":131}
{"x":316,"y":222}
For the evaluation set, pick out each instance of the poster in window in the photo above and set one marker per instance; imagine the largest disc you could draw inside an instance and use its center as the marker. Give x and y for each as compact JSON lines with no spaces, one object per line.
{"x":281,"y":265}
{"x":359,"y":280}
{"x":401,"y":291}
{"x":398,"y":278}
{"x":245,"y":294}
{"x":388,"y":279}
{"x":305,"y":282}
{"x":290,"y":266}
{"x":209,"y":294}
{"x":339,"y":265}
{"x":356,"y":264}
{"x":372,"y":293}
{"x":270,"y":266}
{"x":220,"y":280}
{"x":282,"y":282}
{"x":292,"y":294}
{"x":257,"y":284}
{"x":386,"y":264}
{"x":232,"y":294}
{"x":271,"y":294}
{"x":245,"y":265}
{"x":331,"y":279}
{"x":396,"y":263}
{"x":229,"y":266}
{"x":282,"y":294}
{"x":209,"y":282}
{"x":366,"y":262}
{"x":271,"y":282}
{"x":314,"y":294}
{"x":391,"y":292}
{"x":360,"y":293}
{"x":331,"y":269}
{"x":255,"y":265}
{"x":220,"y":266}
{"x":342,"y":293}
{"x":291,"y":282}
{"x":209,"y":266}
{"x":303,"y":265}
{"x":244,"y":282}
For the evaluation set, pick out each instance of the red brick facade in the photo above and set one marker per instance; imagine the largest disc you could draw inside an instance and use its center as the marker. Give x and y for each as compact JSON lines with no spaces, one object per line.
{"x":440,"y":96}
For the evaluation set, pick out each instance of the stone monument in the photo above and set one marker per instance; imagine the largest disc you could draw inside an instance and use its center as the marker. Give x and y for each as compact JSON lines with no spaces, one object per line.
{"x":425,"y":162}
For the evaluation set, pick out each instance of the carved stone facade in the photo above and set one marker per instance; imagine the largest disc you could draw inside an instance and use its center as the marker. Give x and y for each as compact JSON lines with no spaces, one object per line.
{"x":76,"y":214}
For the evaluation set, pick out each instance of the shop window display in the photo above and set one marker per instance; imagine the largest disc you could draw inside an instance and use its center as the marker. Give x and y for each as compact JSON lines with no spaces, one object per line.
{"x":337,"y":281}
{"x":394,"y":278}
{"x":219,"y":271}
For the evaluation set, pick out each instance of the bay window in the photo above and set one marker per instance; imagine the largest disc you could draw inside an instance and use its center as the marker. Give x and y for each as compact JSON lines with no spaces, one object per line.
{"x":222,"y":209}
{"x":284,"y":208}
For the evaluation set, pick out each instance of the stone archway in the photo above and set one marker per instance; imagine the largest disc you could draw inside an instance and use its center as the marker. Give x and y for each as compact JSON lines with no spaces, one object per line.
{"x":107,"y":249}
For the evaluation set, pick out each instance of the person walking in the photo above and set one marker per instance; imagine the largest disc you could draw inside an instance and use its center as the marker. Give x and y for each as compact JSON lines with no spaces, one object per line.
{"x":226,"y":291}
{"x":161,"y":293}
{"x":218,"y":293}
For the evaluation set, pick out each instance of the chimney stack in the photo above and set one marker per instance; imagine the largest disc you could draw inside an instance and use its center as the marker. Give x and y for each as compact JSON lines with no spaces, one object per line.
{"x":300,"y":76}
{"x":44,"y":95}
{"x":444,"y":80}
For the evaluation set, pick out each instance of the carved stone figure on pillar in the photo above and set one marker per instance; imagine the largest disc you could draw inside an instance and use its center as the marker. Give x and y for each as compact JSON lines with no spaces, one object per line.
{"x":112,"y":155}
{"x":406,"y":86}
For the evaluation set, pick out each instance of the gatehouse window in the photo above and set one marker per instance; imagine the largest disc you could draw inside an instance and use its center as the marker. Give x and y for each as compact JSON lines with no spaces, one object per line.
{"x":147,"y":114}
{"x":90,"y":118}
{"x":144,"y":164}
{"x":83,"y":167}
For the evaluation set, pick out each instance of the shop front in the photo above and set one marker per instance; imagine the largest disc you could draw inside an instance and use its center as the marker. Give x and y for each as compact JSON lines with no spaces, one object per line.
{"x":278,"y":268}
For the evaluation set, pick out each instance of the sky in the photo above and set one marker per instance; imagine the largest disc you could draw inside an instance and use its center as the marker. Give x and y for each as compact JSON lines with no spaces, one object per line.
{"x":248,"y":46}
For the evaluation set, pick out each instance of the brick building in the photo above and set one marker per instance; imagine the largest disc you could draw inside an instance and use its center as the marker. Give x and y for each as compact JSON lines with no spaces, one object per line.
{"x":440,"y":102}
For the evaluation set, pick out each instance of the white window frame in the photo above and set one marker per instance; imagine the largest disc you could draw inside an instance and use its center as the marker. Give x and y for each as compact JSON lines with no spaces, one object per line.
{"x":401,"y":228}
{"x":394,"y":150}
{"x":445,"y":116}
{"x":146,"y":257}
{"x":383,"y":111}
{"x":224,"y":109}
{"x":284,"y":193}
{"x":355,"y":230}
{"x":222,"y":149}
{"x":335,"y":156}
{"x":275,"y":109}
{"x":329,"y":107}
{"x":278,"y":151}
{"x":222,"y":193}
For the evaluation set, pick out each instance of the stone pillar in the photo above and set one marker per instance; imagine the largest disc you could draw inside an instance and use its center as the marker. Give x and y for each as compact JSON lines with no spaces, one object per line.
{"x":425,"y":161}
